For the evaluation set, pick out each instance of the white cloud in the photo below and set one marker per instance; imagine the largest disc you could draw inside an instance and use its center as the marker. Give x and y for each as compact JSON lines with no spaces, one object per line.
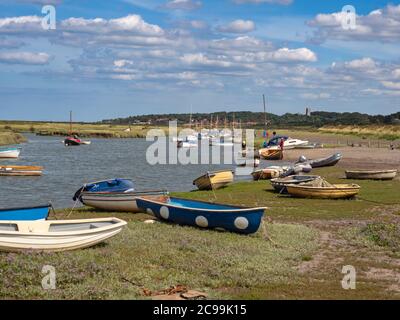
{"x":26,"y":24}
{"x":199,"y":59}
{"x":183,"y":4}
{"x":316,"y":96}
{"x":396,"y":73}
{"x":122,"y":63}
{"x":238,"y":26}
{"x":131,"y":23}
{"x":28,"y":58}
{"x":361,"y":64}
{"x":391,"y":85}
{"x":381,"y":25}
{"x":10,"y":43}
{"x":301,"y":54}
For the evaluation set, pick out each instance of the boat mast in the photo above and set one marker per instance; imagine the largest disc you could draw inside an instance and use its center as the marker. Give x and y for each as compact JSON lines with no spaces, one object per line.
{"x":70,"y":123}
{"x":190,"y":119}
{"x":265,"y":114}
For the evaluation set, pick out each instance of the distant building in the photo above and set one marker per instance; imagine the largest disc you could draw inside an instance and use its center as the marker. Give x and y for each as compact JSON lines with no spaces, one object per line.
{"x":308,"y":112}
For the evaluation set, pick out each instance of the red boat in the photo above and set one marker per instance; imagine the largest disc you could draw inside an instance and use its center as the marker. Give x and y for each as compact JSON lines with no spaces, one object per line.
{"x":72,"y":141}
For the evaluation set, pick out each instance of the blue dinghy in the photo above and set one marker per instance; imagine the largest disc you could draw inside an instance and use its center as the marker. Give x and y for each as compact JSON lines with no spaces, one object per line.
{"x":204,"y":214}
{"x":25,"y":214}
{"x":114,"y":185}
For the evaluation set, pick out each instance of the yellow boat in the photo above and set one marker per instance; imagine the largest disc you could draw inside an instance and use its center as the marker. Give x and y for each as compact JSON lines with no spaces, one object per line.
{"x":271,"y":154}
{"x":214,"y":180}
{"x":266,"y":174}
{"x":21,"y":171}
{"x":336,"y":191}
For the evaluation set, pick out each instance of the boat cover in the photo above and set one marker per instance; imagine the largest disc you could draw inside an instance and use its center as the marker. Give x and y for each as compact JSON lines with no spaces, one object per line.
{"x":112,"y":186}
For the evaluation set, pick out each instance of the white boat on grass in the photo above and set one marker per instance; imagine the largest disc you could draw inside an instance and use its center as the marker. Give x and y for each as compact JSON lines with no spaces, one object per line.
{"x":57,"y":235}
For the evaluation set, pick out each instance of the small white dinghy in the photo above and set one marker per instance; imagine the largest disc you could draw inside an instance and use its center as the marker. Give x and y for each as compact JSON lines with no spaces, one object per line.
{"x":10,"y":153}
{"x":57,"y":235}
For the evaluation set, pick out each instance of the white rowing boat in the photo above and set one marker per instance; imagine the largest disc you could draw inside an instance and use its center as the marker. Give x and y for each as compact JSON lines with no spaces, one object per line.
{"x":10,"y":153}
{"x":371,"y":174}
{"x":57,"y":235}
{"x":120,"y":202}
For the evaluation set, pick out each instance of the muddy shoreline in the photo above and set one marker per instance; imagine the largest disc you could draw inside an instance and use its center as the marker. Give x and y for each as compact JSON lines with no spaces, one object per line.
{"x":353,"y":158}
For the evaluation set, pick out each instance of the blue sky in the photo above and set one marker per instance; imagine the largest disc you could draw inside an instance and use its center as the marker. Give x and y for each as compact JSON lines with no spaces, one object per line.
{"x":118,"y":58}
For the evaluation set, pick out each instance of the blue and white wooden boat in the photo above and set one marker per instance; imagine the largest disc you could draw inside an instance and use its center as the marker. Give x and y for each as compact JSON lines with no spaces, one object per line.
{"x":113,"y":185}
{"x":10,"y":153}
{"x":25,"y":214}
{"x":205,"y":214}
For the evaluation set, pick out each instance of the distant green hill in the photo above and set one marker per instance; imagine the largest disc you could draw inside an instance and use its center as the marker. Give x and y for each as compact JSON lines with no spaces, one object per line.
{"x":316,"y":119}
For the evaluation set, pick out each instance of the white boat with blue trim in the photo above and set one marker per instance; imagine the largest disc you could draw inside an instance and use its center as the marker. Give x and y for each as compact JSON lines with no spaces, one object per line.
{"x":10,"y":153}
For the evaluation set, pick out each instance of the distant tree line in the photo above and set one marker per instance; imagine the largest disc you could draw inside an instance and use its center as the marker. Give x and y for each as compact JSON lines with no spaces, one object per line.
{"x":316,"y":119}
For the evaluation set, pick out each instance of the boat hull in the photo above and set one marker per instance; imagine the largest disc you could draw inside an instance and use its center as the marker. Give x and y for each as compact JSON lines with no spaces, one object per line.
{"x":335,"y":192}
{"x":20,"y":171}
{"x":326,"y":162}
{"x":10,"y":153}
{"x":271,"y":154}
{"x":266,"y":174}
{"x":371,"y":175}
{"x":39,"y":236}
{"x":214,"y":180}
{"x":25,"y":214}
{"x":280,"y":184}
{"x":72,"y":142}
{"x":205,"y":215}
{"x":120,"y":202}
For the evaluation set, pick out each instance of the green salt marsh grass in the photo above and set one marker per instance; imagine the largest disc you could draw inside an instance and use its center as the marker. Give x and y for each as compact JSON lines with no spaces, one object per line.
{"x":10,"y":138}
{"x":157,"y":256}
{"x":384,"y":132}
{"x":82,"y":129}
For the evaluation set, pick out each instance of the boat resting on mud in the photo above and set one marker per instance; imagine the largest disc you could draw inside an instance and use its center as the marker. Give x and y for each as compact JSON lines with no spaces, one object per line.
{"x":371,"y":174}
{"x":271,"y":154}
{"x":321,"y":162}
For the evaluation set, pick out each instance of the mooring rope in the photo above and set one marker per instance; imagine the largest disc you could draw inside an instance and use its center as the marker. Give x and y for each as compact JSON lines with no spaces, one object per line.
{"x":76,"y":201}
{"x":53,"y":210}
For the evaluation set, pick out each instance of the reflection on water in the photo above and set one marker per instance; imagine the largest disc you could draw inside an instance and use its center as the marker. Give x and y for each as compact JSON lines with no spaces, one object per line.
{"x":67,"y":168}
